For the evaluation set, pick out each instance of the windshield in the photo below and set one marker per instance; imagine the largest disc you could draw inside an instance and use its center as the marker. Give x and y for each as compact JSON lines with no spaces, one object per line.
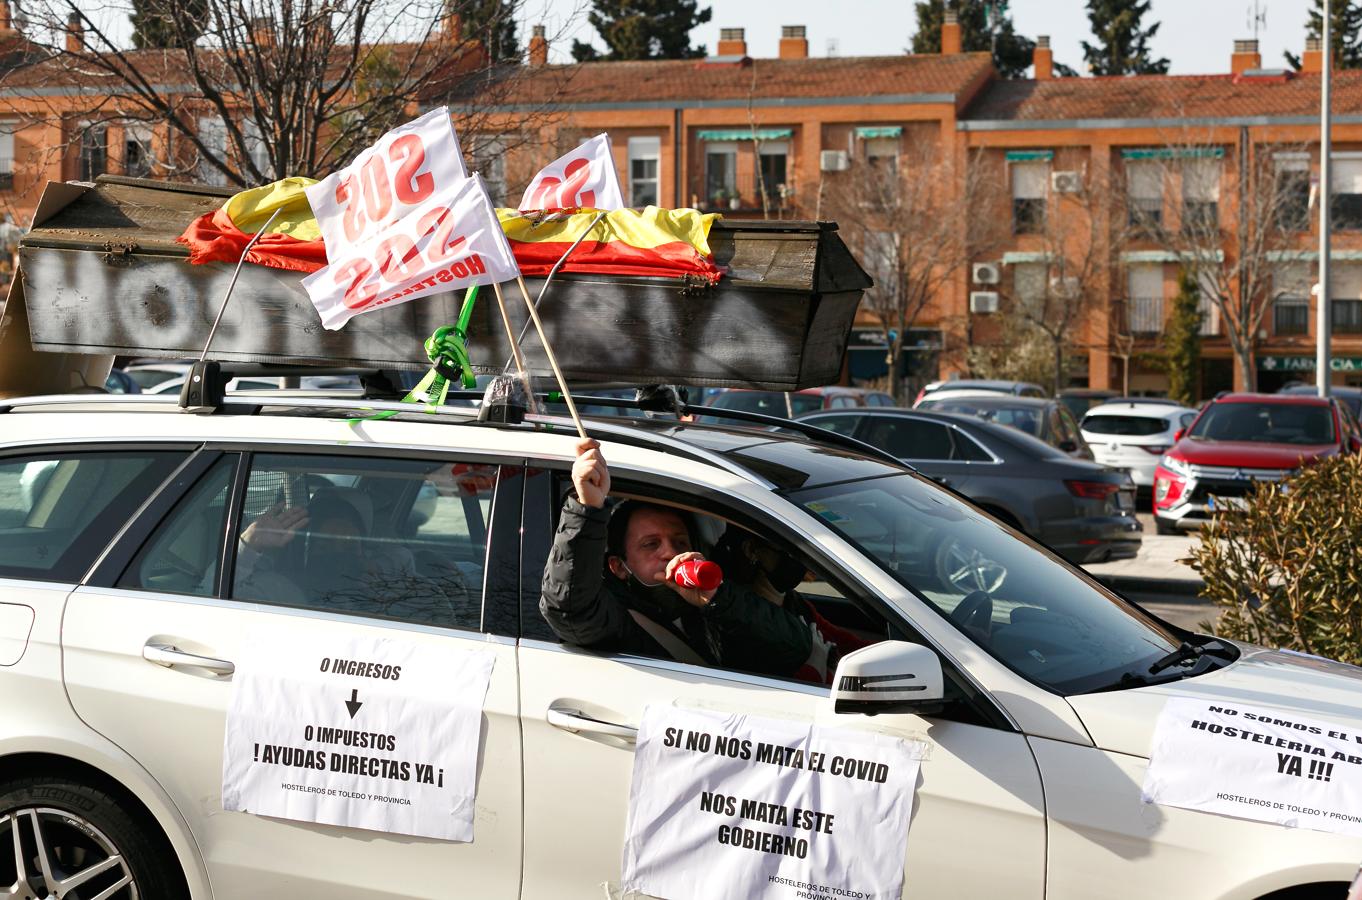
{"x":1265,"y":423}
{"x":1035,"y":614}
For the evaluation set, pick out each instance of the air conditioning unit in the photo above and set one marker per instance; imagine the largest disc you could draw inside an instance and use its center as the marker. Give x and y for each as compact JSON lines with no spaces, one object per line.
{"x":983,"y":301}
{"x":1066,"y":182}
{"x":987,"y":273}
{"x":1064,"y":287}
{"x":834,"y":161}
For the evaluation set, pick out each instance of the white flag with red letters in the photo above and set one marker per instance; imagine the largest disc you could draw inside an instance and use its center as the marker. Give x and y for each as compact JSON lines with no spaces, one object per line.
{"x":450,"y":241}
{"x":583,"y":178}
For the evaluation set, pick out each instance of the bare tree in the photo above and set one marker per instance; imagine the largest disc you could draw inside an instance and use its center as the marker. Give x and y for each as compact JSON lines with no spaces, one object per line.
{"x":1235,"y":218}
{"x":247,"y":91}
{"x":909,"y":216}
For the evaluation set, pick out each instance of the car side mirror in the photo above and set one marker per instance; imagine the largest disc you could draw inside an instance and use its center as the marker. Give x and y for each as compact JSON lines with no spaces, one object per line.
{"x":1177,"y":435}
{"x":888,"y":677}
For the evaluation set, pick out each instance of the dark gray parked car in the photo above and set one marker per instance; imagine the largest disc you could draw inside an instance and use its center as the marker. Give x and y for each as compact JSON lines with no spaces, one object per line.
{"x":1040,"y":417}
{"x":1084,"y":511}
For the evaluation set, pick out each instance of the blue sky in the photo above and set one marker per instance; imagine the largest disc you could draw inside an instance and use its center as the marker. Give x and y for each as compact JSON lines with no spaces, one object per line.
{"x":1196,"y":35}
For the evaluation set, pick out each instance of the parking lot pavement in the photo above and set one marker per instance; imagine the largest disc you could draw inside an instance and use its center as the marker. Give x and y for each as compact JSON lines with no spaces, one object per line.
{"x":1157,"y":567}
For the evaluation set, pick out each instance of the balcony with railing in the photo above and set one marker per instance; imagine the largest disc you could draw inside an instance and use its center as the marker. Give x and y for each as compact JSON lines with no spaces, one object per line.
{"x":741,"y":194}
{"x":1146,"y":213}
{"x":1144,"y":316}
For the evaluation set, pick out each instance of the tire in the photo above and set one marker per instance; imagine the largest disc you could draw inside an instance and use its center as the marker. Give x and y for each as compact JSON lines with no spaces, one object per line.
{"x":82,"y":826}
{"x":1161,"y":527}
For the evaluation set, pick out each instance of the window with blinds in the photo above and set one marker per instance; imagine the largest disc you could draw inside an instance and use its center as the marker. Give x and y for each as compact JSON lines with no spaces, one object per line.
{"x":1291,"y":304}
{"x":1144,"y":188}
{"x":1145,"y":305}
{"x":1292,"y":202}
{"x":1345,"y":188}
{"x":1201,"y":196}
{"x":1030,"y":184}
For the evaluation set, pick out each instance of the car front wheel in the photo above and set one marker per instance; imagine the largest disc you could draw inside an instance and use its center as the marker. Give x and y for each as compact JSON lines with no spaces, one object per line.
{"x":63,"y":839}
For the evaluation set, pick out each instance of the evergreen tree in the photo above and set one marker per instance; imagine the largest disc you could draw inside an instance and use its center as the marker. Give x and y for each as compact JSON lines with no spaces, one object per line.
{"x":1345,"y":33}
{"x":1122,"y":46}
{"x":1011,"y":52}
{"x":643,"y":29}
{"x":154,"y":22}
{"x":493,"y":23}
{"x":1182,"y":340}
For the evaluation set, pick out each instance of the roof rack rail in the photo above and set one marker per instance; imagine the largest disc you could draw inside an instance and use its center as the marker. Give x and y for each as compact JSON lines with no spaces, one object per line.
{"x":656,"y":404}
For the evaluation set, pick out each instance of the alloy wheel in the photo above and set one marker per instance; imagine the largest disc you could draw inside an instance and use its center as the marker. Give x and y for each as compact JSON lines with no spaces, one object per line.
{"x":51,"y":854}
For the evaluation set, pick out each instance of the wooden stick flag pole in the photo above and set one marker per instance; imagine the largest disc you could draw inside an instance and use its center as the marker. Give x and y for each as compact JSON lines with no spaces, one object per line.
{"x":553,"y":359}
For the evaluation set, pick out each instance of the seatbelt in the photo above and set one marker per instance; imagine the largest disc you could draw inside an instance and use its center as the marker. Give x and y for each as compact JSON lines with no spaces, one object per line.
{"x":679,"y":649}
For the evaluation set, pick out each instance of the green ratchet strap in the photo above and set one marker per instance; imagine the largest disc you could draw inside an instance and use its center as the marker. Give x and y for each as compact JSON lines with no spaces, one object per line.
{"x":447,"y":349}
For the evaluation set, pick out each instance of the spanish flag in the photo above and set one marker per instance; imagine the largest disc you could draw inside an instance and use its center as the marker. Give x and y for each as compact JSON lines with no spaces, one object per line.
{"x":655,"y":242}
{"x":668,"y":243}
{"x":293,"y":241}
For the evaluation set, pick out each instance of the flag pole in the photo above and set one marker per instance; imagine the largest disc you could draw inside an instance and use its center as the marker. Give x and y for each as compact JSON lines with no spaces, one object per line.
{"x":515,"y":346}
{"x":553,"y":359}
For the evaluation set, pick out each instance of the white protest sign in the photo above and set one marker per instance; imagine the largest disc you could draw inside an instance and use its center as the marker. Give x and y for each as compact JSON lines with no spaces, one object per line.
{"x":732,"y":807}
{"x":401,"y":171}
{"x":364,"y":733}
{"x":451,"y":241}
{"x":584,"y":177}
{"x":1254,"y":763}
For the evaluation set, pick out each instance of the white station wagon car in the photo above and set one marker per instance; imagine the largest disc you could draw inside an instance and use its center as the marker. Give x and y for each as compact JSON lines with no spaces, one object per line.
{"x":127,"y":599}
{"x":1134,"y":434}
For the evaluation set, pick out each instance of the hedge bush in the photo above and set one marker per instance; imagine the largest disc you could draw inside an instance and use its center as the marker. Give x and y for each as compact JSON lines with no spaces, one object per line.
{"x":1286,"y":571}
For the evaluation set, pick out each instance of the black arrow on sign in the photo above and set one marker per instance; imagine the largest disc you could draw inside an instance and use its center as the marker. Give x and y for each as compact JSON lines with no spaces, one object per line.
{"x":354,"y":703}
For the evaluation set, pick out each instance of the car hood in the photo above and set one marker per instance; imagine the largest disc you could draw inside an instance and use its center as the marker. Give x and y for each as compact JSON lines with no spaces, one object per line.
{"x":1249,"y":454}
{"x":1285,"y":682}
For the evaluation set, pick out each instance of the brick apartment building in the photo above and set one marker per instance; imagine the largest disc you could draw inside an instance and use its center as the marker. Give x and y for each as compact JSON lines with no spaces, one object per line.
{"x":1120,"y":165}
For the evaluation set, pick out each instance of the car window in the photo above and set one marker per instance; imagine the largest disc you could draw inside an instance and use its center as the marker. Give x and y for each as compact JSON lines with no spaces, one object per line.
{"x":840,"y":424}
{"x":909,"y":438}
{"x":1028,"y":609}
{"x":834,"y":618}
{"x":1127,"y":426}
{"x":391,"y":538}
{"x":1186,"y":419}
{"x":1272,"y":423}
{"x":183,"y":555}
{"x":58,"y":511}
{"x":968,"y":449}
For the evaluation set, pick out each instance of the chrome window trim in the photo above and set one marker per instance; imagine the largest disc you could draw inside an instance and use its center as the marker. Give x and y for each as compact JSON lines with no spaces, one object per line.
{"x":704,"y":673}
{"x":301,"y":612}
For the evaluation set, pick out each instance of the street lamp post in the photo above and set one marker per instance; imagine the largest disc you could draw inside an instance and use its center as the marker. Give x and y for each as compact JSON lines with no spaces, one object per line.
{"x":1322,"y":323}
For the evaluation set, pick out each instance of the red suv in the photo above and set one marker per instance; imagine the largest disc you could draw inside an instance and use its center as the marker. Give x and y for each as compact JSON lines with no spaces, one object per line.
{"x":1240,"y":439}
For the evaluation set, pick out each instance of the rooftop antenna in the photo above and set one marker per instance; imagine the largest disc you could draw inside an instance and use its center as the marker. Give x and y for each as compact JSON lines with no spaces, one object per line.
{"x":1257,"y":17}
{"x":833,"y":47}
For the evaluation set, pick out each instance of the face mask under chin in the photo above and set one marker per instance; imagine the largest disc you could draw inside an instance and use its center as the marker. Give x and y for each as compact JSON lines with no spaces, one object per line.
{"x":658,"y":595}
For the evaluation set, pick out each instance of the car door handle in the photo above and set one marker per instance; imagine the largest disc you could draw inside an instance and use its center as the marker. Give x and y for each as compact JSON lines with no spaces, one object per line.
{"x":171,"y":656}
{"x":576,"y":721}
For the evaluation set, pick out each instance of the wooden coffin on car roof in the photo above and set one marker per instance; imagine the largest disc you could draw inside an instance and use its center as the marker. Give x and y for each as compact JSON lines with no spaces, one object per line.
{"x":103,"y":275}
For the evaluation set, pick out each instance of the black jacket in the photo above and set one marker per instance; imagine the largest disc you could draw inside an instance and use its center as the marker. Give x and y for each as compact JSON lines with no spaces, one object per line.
{"x":586,"y":605}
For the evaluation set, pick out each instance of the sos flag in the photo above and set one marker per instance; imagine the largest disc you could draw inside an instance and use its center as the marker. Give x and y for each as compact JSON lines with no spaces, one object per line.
{"x":584,"y":178}
{"x":386,"y":182}
{"x":451,"y":241}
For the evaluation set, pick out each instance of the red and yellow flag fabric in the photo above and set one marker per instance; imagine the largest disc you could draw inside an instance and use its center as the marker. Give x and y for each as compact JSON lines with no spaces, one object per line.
{"x":293,"y":241}
{"x":656,"y":242}
{"x":670,"y":243}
